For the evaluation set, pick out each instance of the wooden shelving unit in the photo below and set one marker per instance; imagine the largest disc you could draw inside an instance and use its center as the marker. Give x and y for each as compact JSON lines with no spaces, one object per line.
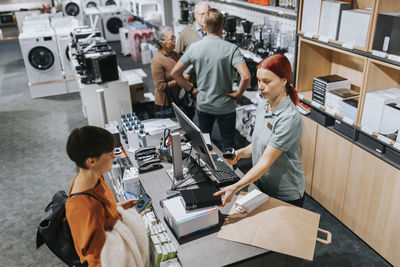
{"x":315,"y":59}
{"x":356,"y":183}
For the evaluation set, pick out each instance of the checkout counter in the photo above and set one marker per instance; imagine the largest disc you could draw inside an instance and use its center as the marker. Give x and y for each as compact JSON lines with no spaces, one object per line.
{"x":203,"y":248}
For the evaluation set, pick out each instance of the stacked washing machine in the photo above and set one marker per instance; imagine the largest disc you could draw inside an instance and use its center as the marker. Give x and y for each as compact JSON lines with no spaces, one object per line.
{"x":109,"y":2}
{"x":73,"y":8}
{"x":63,"y":28}
{"x":42,"y":61}
{"x":91,"y":3}
{"x":113,"y":19}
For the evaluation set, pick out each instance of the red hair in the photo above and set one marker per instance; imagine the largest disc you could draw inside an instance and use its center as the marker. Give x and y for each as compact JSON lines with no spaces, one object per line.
{"x":280,"y":65}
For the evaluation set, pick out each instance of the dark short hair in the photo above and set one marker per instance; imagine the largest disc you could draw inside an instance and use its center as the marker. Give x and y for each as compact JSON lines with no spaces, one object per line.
{"x":214,"y":21}
{"x":89,"y":142}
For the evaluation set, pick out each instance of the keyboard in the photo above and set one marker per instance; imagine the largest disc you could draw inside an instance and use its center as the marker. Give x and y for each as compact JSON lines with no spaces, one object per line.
{"x":224,"y":175}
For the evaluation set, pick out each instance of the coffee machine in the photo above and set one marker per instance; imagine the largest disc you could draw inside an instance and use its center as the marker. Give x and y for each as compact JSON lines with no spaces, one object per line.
{"x":247,"y":38}
{"x":187,"y":12}
{"x":230,"y":28}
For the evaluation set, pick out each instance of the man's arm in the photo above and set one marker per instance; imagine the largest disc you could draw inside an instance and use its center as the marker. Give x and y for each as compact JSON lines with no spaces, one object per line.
{"x":177,"y":74}
{"x":244,"y":80}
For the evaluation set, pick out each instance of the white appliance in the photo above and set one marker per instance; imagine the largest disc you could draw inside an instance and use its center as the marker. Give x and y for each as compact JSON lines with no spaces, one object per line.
{"x":40,"y":53}
{"x":125,"y":44}
{"x":62,"y":22}
{"x":390,"y":123}
{"x":374,"y":107}
{"x":113,"y":19}
{"x":63,"y":36}
{"x":20,"y":16}
{"x":91,"y":3}
{"x":109,"y":2}
{"x":354,"y":26}
{"x":42,"y":62}
{"x":34,"y":22}
{"x":73,"y":8}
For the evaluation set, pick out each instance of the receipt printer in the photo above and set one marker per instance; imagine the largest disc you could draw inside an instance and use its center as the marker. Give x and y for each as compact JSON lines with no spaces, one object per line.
{"x":185,"y":223}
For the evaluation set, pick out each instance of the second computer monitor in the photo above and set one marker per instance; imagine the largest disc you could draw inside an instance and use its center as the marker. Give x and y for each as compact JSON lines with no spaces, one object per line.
{"x":195,"y":135}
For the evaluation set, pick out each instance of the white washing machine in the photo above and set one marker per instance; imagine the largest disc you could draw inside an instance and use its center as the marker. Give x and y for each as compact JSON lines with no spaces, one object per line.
{"x":62,"y":22}
{"x":63,"y":36}
{"x":42,"y":62}
{"x":73,"y":8}
{"x":91,"y":3}
{"x":109,"y":2}
{"x":113,"y":19}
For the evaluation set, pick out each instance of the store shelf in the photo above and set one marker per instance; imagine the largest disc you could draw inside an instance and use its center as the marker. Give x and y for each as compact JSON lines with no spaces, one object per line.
{"x":287,"y":13}
{"x":315,"y":59}
{"x":337,"y":45}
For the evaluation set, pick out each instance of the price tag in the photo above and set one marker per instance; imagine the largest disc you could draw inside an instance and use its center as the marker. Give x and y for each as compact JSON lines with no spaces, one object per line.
{"x":394,"y":57}
{"x":347,"y":45}
{"x":397,"y":145}
{"x":315,"y":104}
{"x":366,"y":130}
{"x":308,"y":35}
{"x":301,"y":96}
{"x":379,"y":53}
{"x":323,"y":39}
{"x":384,"y":139}
{"x":347,"y":120}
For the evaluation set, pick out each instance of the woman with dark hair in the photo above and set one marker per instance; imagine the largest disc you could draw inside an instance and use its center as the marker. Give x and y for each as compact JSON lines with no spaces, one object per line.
{"x":166,"y":88}
{"x":90,"y":216}
{"x":275,"y":147}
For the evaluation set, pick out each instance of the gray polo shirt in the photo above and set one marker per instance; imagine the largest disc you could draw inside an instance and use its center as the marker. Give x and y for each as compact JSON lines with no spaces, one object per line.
{"x":280,"y":128}
{"x":213,"y":61}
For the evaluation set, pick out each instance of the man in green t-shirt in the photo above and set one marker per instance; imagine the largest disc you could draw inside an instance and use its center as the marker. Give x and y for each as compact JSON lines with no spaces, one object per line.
{"x":213,"y":61}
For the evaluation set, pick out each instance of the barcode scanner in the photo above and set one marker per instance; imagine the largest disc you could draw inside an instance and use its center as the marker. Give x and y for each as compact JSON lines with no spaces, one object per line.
{"x":230,"y":154}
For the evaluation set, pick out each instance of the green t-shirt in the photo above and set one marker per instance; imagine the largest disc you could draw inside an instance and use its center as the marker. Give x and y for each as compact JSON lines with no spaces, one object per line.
{"x":280,"y":128}
{"x":213,"y":61}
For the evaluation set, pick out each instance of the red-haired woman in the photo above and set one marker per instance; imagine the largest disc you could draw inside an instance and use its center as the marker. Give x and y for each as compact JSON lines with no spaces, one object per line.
{"x":275,"y":147}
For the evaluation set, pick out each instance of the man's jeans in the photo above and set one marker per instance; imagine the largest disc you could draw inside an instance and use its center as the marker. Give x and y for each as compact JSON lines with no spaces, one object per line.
{"x":226,"y":124}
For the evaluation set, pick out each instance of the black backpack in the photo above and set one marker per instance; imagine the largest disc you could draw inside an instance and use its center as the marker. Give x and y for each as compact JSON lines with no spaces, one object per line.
{"x":54,"y":230}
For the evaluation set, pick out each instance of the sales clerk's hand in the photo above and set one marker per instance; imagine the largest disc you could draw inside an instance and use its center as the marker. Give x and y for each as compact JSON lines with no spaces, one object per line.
{"x":128,"y":204}
{"x":234,"y":160}
{"x":227,"y":194}
{"x":235,"y":94}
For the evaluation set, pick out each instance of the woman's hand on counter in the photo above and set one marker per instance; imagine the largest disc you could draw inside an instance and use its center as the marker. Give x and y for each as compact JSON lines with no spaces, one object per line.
{"x":227,"y":193}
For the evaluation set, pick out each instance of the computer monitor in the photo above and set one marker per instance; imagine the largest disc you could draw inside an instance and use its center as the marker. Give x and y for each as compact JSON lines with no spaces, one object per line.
{"x":195,"y":135}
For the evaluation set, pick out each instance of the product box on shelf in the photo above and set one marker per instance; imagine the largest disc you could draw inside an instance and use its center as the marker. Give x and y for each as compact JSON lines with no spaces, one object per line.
{"x":387,"y":33}
{"x":310,"y":16}
{"x":331,"y":14}
{"x":354,"y":27}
